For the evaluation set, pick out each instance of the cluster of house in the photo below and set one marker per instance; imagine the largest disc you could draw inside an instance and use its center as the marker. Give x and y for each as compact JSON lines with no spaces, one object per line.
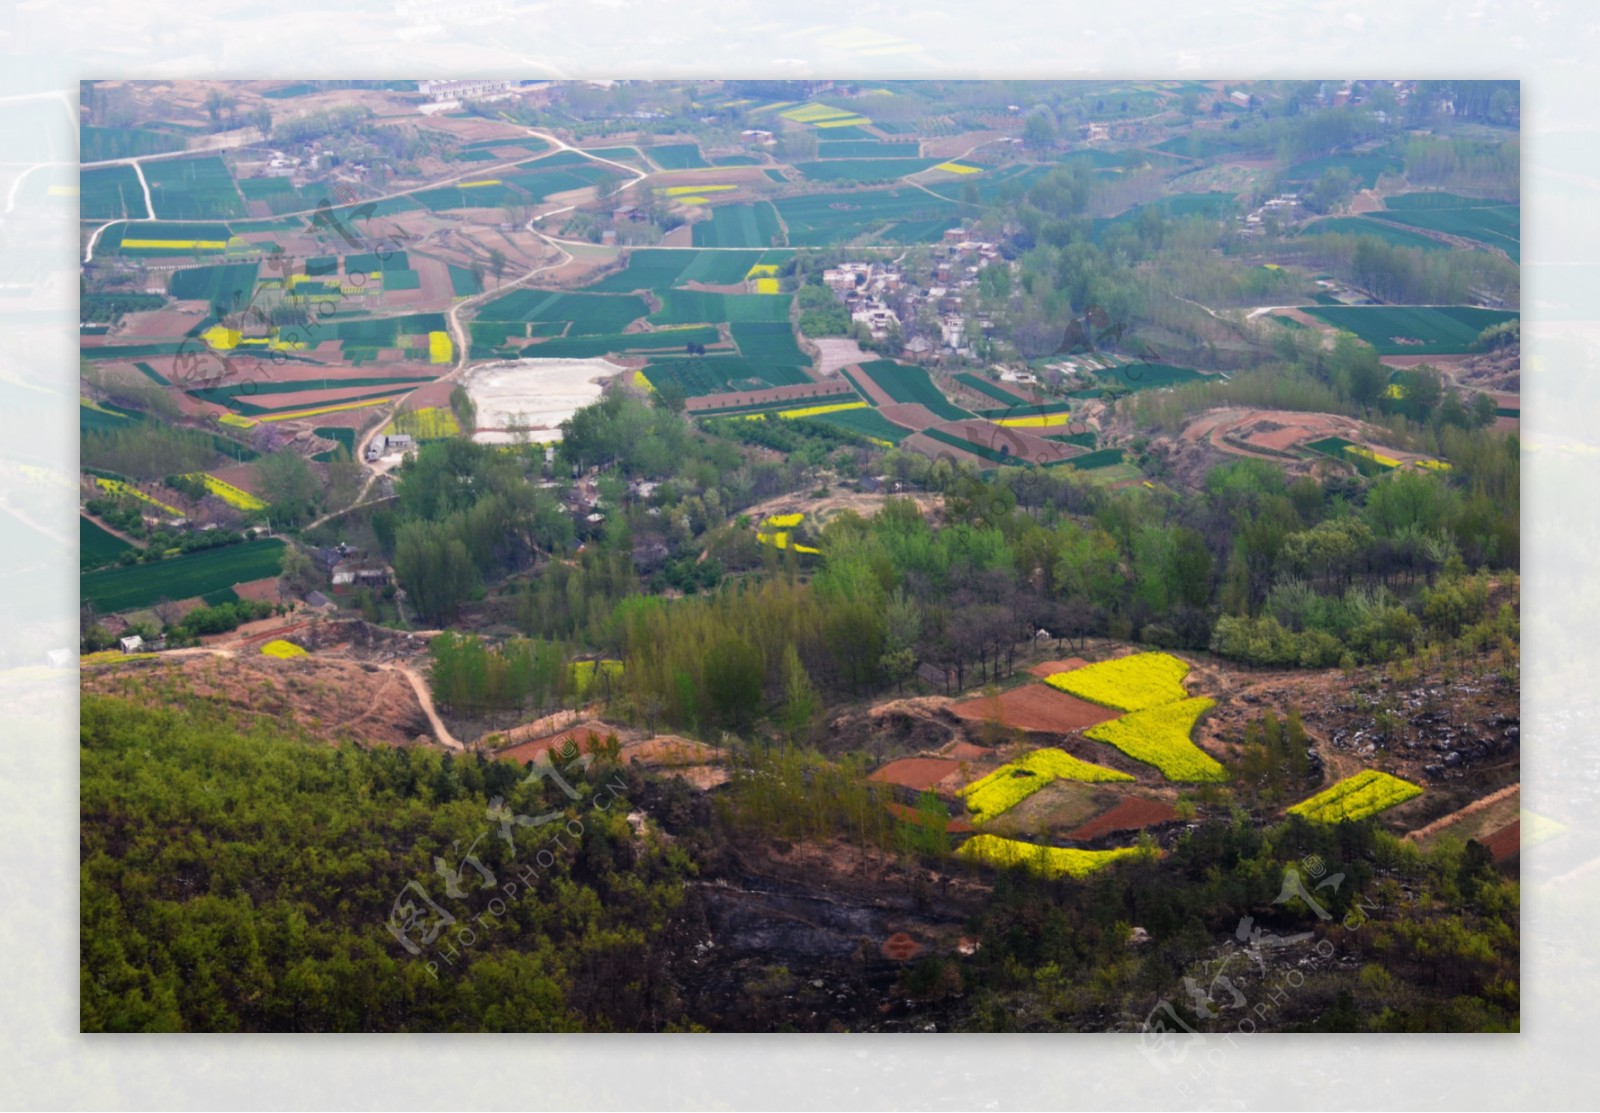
{"x":386,"y":444}
{"x":1284,"y":209}
{"x":871,"y":291}
{"x":349,"y":567}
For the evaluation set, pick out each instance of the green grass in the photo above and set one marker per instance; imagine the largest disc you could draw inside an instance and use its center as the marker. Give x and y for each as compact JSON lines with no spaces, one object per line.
{"x":402,"y":280}
{"x":702,"y":375}
{"x":769,"y":342}
{"x":588,"y":347}
{"x":907,"y":383}
{"x":227,"y":395}
{"x":1495,"y":226}
{"x":984,"y":386}
{"x":1445,"y":330}
{"x":1437,"y":199}
{"x":676,"y":156}
{"x":371,"y":261}
{"x":775,"y":175}
{"x":1105,"y":458}
{"x":97,"y":547}
{"x":980,"y":450}
{"x":109,"y":192}
{"x":221,"y":282}
{"x":463,"y":283}
{"x":1363,"y":169}
{"x":752,"y":225}
{"x":825,"y":219}
{"x":345,"y":436}
{"x":868,"y":423}
{"x":96,"y":144}
{"x":736,"y":160}
{"x":176,"y":231}
{"x":193,"y":189}
{"x":181,"y":577}
{"x":590,"y":313}
{"x":98,"y":421}
{"x":720,"y":268}
{"x":1365,"y":226}
{"x":866,"y":148}
{"x":647,"y":268}
{"x":688,"y":307}
{"x":133,"y":351}
{"x":864,"y":169}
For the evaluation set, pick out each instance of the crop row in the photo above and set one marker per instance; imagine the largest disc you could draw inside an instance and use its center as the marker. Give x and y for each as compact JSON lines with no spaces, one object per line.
{"x":1357,"y":797}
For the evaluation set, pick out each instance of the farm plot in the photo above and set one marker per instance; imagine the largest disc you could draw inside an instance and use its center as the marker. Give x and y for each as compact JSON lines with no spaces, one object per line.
{"x":720,"y":268}
{"x":1438,"y":199}
{"x":1035,"y":707}
{"x":97,"y":144}
{"x":1009,"y":785}
{"x":193,"y":189}
{"x":1413,"y":330}
{"x":647,"y":268}
{"x":1367,"y":793}
{"x":588,"y":347}
{"x":863,"y":169}
{"x":96,"y":546}
{"x":867,"y":149}
{"x":590,"y":314}
{"x":998,"y":393}
{"x":1364,"y":225}
{"x":824,"y":219}
{"x":166,"y":239}
{"x":867,"y":423}
{"x":1091,"y":461}
{"x":223,"y":283}
{"x":1004,"y":182}
{"x":677,"y":156}
{"x":768,"y":342}
{"x":1132,"y":683}
{"x":689,"y":307}
{"x":908,"y":383}
{"x":1499,"y":227}
{"x":699,"y":376}
{"x":1048,"y":861}
{"x":744,"y":225}
{"x":109,"y":192}
{"x":464,"y":283}
{"x":181,"y":577}
{"x":1132,"y":814}
{"x":1159,"y":736}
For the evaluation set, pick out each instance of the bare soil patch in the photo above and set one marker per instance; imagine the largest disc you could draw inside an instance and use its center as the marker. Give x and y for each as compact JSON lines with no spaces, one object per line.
{"x":580,"y":737}
{"x":919,"y":773}
{"x":836,"y":352}
{"x":1049,"y":668}
{"x":1133,"y":814}
{"x":1035,"y":707}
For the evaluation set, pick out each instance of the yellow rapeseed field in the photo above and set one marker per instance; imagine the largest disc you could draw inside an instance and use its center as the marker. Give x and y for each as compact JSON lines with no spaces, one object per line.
{"x":1159,"y":736}
{"x":1127,"y":683}
{"x":1357,"y":797}
{"x":1047,"y":860}
{"x":282,"y":650}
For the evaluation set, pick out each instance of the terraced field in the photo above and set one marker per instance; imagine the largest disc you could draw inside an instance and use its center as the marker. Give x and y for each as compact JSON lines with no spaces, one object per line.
{"x":1413,"y":330}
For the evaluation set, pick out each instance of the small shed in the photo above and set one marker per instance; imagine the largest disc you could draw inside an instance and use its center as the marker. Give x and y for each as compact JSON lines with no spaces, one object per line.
{"x":133,"y":643}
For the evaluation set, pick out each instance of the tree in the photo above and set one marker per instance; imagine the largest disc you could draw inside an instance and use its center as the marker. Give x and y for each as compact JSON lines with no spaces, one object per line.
{"x":801,"y":703}
{"x":1484,"y":411}
{"x":733,"y":682}
{"x":436,"y":569}
{"x":1039,"y":130}
{"x":497,"y":263}
{"x":289,"y":485}
{"x":299,"y":573}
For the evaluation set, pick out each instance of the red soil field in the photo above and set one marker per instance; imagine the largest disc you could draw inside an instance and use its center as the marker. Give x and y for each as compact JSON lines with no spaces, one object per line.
{"x":1505,"y":842}
{"x":927,"y":446}
{"x":259,"y":591}
{"x":900,"y":947}
{"x":1036,"y":707}
{"x":160,"y":322}
{"x":242,"y":476}
{"x":919,"y":773}
{"x":910,"y":415}
{"x":1133,"y":814}
{"x":1049,"y":668}
{"x":967,"y":751}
